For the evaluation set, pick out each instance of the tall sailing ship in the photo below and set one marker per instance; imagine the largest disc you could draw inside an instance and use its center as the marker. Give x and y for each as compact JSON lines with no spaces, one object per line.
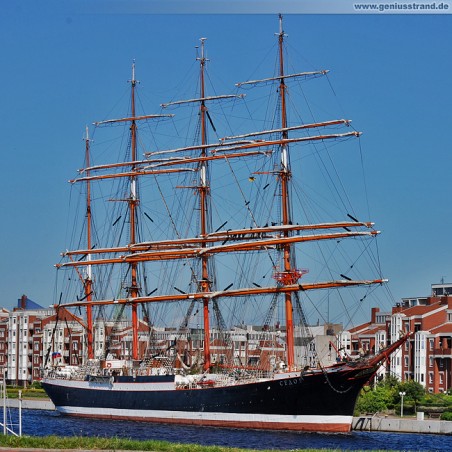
{"x":173,"y":266}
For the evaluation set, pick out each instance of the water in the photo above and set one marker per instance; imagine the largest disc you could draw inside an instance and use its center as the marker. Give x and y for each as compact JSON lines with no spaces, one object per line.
{"x":42,"y":423}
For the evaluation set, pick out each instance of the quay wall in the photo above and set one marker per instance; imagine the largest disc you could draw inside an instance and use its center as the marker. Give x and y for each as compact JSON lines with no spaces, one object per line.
{"x":401,"y":425}
{"x":31,"y":404}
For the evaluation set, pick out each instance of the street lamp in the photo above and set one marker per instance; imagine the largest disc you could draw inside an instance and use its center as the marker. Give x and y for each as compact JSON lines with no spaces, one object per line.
{"x":401,"y":394}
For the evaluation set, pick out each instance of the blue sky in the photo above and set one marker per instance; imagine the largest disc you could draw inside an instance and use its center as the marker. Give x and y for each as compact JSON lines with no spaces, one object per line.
{"x":64,"y":67}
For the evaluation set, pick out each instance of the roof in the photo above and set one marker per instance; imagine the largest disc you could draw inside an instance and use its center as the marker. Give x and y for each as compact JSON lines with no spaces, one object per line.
{"x":360,"y":328}
{"x":444,"y":328}
{"x":420,"y":310}
{"x":374,"y":330}
{"x":25,"y":303}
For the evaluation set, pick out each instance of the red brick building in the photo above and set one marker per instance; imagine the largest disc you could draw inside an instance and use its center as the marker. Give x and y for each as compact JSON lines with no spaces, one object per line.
{"x":426,"y":357}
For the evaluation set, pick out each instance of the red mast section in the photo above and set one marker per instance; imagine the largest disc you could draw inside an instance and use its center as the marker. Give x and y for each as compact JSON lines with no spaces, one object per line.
{"x":203,"y":201}
{"x":133,"y":203}
{"x":132,"y":200}
{"x":88,"y":282}
{"x":284,"y":175}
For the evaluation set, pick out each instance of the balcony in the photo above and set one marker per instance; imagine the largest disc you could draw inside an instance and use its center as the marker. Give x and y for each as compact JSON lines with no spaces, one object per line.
{"x":442,"y":352}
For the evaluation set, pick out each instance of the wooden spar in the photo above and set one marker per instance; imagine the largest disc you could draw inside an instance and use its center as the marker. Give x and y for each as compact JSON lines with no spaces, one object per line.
{"x":283,"y":77}
{"x":256,"y":144}
{"x":195,"y":147}
{"x":233,"y":293}
{"x":249,"y":144}
{"x":88,"y":282}
{"x":203,"y":99}
{"x":164,"y":163}
{"x":345,"y":122}
{"x":132,"y":174}
{"x":154,"y":163}
{"x":296,"y":227}
{"x":220,"y":236}
{"x":203,"y":251}
{"x":133,"y":201}
{"x":132,"y":118}
{"x":284,"y":175}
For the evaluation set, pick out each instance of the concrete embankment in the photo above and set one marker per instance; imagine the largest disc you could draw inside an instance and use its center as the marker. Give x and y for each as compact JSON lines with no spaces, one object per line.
{"x":401,"y":425}
{"x":31,"y":404}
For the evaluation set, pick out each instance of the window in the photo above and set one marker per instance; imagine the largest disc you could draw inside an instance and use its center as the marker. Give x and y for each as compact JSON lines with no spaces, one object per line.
{"x":430,"y":377}
{"x":406,"y":361}
{"x":441,"y":378}
{"x":431,"y":343}
{"x":75,"y":346}
{"x":36,"y":346}
{"x":430,"y":361}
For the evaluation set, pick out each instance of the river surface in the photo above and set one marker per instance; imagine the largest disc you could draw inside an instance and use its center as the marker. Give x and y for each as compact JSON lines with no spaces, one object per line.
{"x":42,"y":423}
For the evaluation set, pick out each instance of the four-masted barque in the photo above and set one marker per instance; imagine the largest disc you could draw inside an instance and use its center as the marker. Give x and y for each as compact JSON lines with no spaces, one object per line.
{"x":209,"y":373}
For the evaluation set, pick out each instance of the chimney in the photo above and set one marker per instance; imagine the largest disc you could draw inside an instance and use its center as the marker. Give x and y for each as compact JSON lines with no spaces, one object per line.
{"x":374,"y":314}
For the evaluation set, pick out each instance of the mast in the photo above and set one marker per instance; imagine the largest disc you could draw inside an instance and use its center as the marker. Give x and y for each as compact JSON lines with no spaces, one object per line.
{"x":133,"y":202}
{"x":88,"y":282}
{"x":285,"y":201}
{"x":203,"y":201}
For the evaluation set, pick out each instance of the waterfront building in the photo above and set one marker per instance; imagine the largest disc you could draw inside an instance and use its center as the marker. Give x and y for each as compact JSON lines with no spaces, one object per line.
{"x":23,"y":323}
{"x":426,"y":357}
{"x":32,"y":337}
{"x":4,"y":316}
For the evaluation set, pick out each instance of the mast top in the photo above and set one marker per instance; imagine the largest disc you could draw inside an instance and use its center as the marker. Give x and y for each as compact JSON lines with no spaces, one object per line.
{"x":133,"y":81}
{"x":202,"y":58}
{"x":281,"y":33}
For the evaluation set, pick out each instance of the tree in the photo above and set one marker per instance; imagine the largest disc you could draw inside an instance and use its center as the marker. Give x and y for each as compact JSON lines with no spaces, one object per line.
{"x":374,"y":400}
{"x":414,"y":391}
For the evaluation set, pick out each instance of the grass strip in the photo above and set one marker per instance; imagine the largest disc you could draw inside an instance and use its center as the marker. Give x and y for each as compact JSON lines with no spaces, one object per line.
{"x":116,"y":444}
{"x":98,"y":443}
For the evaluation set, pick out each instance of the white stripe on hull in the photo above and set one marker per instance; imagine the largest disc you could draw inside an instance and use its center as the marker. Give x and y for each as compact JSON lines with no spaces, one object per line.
{"x":116,"y":386}
{"x":235,"y":420}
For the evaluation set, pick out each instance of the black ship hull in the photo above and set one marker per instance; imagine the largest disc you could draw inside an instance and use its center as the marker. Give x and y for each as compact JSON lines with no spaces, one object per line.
{"x":319,"y":400}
